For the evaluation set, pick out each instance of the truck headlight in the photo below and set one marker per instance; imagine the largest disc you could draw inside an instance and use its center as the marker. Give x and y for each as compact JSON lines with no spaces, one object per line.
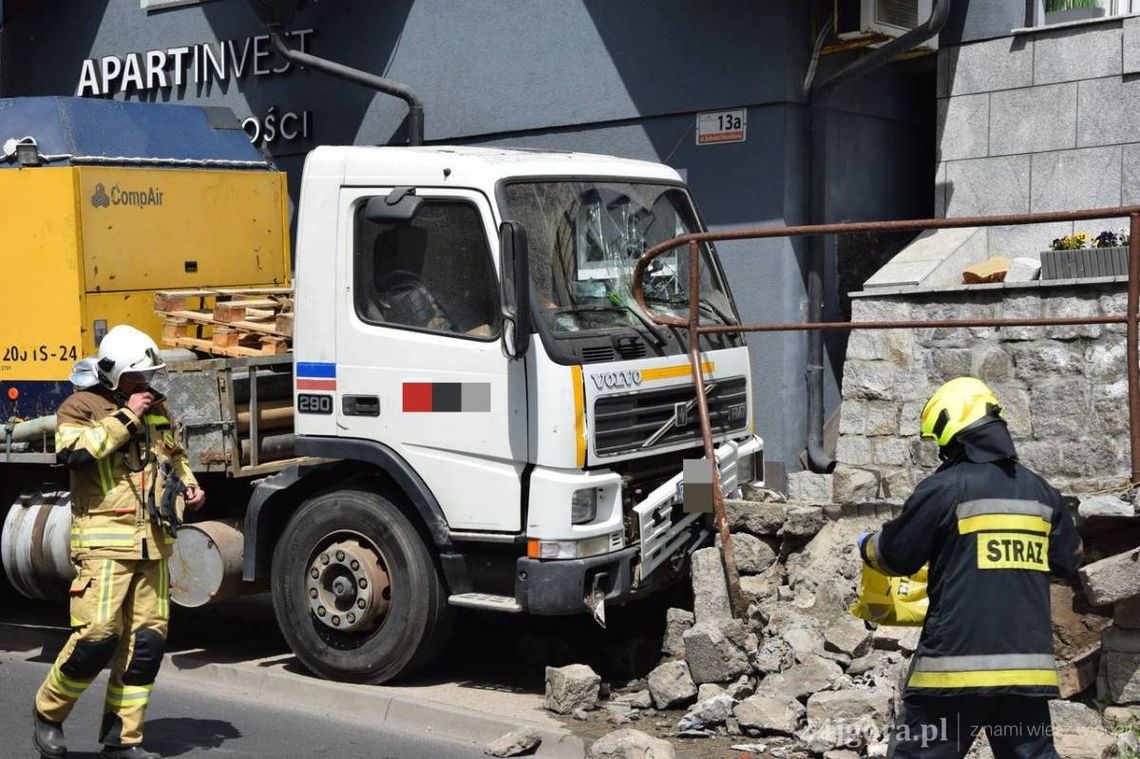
{"x":584,"y":506}
{"x":574,"y":549}
{"x":746,"y":469}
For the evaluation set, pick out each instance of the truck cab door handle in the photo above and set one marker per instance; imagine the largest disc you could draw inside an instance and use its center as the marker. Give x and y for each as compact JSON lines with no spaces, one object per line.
{"x":360,"y":405}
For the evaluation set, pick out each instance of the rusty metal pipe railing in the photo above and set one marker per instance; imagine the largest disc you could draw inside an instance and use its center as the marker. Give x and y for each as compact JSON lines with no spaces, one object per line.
{"x":695,"y":329}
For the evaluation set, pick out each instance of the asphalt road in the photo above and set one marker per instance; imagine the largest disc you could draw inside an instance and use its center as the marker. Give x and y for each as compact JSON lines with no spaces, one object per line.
{"x":183,"y":721}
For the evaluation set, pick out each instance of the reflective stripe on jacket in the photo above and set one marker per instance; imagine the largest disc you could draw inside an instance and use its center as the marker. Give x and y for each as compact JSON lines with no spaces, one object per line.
{"x":993,"y":531}
{"x":96,"y":440}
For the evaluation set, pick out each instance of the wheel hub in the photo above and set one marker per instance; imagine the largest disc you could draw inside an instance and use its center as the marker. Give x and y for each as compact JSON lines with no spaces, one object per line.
{"x":347,"y":587}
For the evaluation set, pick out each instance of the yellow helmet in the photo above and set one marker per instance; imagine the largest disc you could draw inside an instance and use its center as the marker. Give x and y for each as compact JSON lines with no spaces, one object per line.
{"x":957,"y":405}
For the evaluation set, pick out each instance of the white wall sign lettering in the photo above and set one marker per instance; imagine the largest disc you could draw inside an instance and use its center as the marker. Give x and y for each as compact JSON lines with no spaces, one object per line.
{"x":203,"y":63}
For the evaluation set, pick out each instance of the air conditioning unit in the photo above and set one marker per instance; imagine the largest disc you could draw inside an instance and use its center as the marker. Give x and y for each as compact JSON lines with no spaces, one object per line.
{"x":881,"y":19}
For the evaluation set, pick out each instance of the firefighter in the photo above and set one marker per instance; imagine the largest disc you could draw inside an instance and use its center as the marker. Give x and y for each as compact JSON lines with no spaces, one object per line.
{"x":123,"y":459}
{"x":992,"y":532}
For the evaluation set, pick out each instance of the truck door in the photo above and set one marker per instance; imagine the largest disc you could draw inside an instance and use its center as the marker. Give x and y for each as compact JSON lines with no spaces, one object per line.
{"x":420,"y":365}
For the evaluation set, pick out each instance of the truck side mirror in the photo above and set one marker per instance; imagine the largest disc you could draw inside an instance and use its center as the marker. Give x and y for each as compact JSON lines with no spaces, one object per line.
{"x":401,"y":204}
{"x":515,"y":288}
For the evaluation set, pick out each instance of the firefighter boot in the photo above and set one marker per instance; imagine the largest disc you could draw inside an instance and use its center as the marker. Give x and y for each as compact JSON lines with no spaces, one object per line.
{"x":127,"y":752}
{"x":48,"y":737}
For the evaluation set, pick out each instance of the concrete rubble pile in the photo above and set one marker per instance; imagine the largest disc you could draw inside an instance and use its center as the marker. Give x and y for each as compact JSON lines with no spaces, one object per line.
{"x":801,"y":677}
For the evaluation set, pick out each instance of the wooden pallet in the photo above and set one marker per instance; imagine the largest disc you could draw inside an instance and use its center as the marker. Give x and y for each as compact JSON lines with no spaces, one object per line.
{"x":228,"y":322}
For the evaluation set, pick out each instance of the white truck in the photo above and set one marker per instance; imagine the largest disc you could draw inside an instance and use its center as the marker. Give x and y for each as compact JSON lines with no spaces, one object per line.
{"x":508,"y":429}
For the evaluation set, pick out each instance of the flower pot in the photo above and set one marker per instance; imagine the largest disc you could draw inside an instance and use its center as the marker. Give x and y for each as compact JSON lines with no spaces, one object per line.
{"x":1073,"y":14}
{"x":1085,"y":262}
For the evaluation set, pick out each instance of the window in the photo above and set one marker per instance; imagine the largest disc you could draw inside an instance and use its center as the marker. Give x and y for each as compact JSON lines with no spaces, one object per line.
{"x":1050,"y":12}
{"x":432,"y":273}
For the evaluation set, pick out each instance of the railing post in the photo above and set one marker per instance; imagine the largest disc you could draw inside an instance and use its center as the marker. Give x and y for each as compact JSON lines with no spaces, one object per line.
{"x":1132,"y":334}
{"x":728,"y":561}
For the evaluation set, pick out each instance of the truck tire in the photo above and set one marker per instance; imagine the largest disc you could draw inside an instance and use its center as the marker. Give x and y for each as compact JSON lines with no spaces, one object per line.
{"x":355,"y":590}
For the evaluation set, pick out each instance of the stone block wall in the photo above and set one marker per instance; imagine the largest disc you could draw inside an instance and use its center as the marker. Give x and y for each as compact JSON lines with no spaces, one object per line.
{"x":1064,"y":389}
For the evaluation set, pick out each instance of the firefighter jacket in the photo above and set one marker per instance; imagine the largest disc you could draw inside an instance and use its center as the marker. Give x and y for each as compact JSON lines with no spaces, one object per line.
{"x":100,"y":443}
{"x":992,"y":531}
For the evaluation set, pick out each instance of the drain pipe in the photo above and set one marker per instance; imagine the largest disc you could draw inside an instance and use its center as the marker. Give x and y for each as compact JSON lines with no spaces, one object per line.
{"x":356,"y":76}
{"x":818,"y":460}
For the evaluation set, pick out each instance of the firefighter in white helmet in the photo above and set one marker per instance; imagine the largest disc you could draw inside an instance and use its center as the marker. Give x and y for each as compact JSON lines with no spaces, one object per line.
{"x":129,"y":483}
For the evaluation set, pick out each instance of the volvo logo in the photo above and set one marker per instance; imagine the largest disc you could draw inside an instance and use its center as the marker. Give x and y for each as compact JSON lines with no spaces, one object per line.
{"x":617,"y":380}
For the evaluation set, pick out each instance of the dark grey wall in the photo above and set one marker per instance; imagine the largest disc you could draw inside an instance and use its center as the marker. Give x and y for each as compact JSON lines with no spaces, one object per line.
{"x":622,"y":77}
{"x":974,"y":20}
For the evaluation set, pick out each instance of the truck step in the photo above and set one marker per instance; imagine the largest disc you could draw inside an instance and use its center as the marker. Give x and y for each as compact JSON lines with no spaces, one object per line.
{"x":486,"y":601}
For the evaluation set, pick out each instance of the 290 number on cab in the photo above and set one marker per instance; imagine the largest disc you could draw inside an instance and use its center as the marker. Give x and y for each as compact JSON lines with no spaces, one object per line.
{"x":314,"y":403}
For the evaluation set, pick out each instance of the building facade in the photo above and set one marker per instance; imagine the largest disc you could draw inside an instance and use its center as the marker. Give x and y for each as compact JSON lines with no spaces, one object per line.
{"x":619,"y":77}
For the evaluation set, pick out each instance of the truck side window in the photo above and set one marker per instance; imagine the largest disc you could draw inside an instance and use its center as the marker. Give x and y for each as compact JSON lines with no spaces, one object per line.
{"x":431,"y":273}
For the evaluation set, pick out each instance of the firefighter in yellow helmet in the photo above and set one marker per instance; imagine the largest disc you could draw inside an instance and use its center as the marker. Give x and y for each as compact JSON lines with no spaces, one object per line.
{"x":992,"y":532}
{"x":127,"y":474}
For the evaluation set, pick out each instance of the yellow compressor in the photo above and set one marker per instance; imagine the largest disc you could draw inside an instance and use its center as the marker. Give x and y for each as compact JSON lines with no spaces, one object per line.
{"x":102,"y":203}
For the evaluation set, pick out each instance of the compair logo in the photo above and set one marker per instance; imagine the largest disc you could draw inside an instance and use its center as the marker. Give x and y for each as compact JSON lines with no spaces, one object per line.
{"x":118,"y":196}
{"x":100,"y":198}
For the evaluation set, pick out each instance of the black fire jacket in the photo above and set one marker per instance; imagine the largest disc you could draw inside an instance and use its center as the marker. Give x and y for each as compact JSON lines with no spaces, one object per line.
{"x":992,"y":531}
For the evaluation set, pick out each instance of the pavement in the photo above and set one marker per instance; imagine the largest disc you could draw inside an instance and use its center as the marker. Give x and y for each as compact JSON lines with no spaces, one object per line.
{"x":187,"y":719}
{"x":488,"y":682}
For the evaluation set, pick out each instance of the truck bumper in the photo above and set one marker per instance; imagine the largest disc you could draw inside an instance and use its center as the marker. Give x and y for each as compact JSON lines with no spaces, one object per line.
{"x":560,"y":586}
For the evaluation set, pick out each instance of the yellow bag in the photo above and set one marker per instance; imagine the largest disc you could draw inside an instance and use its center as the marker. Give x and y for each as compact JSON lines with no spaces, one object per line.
{"x":892,"y":600}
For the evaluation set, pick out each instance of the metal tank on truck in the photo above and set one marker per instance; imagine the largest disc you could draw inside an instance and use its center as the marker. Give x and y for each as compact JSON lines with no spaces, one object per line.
{"x":482,"y":417}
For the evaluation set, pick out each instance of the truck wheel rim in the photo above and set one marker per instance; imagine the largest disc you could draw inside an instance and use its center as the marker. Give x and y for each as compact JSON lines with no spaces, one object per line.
{"x":347,"y":585}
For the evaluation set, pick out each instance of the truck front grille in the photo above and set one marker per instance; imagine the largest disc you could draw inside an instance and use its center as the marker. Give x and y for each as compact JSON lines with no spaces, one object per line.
{"x":628,"y":422}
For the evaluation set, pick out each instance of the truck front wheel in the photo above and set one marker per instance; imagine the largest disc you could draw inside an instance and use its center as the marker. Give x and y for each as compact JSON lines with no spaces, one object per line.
{"x":355,"y":590}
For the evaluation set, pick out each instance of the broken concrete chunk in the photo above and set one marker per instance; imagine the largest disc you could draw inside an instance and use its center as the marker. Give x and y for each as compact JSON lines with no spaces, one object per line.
{"x":744,"y":687}
{"x":518,"y":743}
{"x":803,"y":522}
{"x":848,"y":635}
{"x":1082,"y":744}
{"x":708,"y":713}
{"x":1069,"y":715}
{"x":1113,"y":579}
{"x":671,"y":685}
{"x":800,"y":681}
{"x":849,"y":706}
{"x":804,"y":640}
{"x":770,"y":713}
{"x":638,"y":699}
{"x":572,"y":687}
{"x":895,"y":638}
{"x":630,"y":744}
{"x":1116,"y":717}
{"x":1126,"y":614}
{"x":752,"y":555}
{"x":1104,"y":507}
{"x":705,"y":691}
{"x":710,"y":592}
{"x":864,"y":664}
{"x":716,"y":651}
{"x":677,"y":621}
{"x":756,"y":518}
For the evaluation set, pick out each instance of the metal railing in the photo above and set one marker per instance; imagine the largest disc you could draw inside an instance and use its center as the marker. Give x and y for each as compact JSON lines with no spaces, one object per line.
{"x":695,"y":329}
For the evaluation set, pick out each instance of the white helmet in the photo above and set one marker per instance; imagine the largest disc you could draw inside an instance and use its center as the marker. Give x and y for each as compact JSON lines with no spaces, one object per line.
{"x":125,"y":349}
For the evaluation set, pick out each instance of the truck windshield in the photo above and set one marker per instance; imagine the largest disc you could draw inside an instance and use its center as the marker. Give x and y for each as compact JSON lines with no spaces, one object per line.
{"x":585,"y":238}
